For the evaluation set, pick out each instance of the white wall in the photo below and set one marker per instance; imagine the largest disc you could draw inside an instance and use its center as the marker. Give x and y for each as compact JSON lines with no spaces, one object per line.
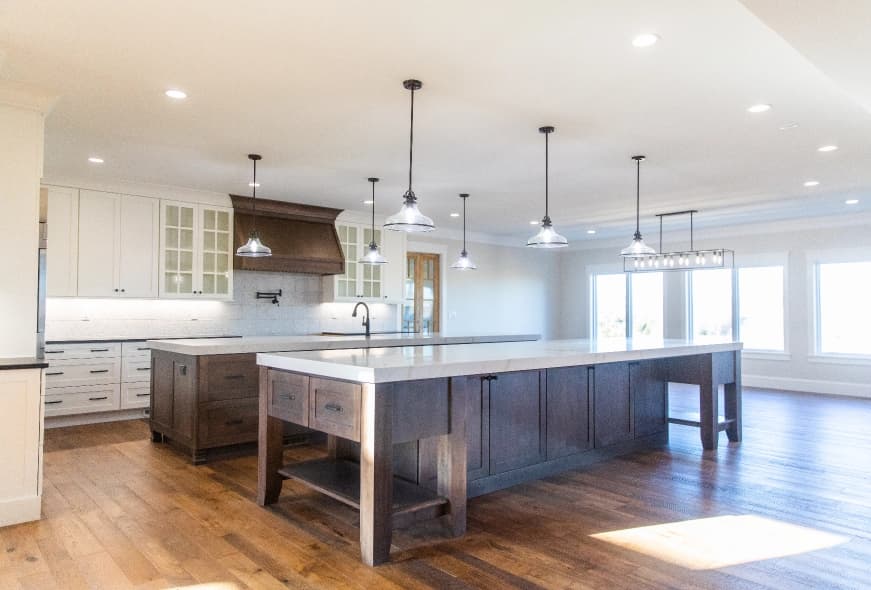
{"x":798,"y":243}
{"x":21,"y":129}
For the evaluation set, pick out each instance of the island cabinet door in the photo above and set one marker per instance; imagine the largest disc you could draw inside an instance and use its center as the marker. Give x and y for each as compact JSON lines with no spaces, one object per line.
{"x":612,"y":404}
{"x":474,"y":390}
{"x":517,"y":420}
{"x":173,"y":394}
{"x":649,"y":386}
{"x":568,"y":412}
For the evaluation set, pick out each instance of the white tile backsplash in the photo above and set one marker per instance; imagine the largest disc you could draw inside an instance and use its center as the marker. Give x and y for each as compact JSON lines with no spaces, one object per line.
{"x":300,"y":311}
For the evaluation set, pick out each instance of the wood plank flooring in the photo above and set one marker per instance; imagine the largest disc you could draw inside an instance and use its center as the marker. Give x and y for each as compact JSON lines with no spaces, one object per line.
{"x":121,"y":512}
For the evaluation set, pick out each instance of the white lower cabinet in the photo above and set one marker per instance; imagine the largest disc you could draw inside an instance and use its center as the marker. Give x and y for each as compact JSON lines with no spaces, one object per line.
{"x":135,"y":395}
{"x":82,"y":399}
{"x":20,"y":445}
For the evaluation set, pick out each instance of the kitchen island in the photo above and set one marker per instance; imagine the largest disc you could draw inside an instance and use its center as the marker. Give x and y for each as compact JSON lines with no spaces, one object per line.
{"x":414,"y":431}
{"x":204,"y":390}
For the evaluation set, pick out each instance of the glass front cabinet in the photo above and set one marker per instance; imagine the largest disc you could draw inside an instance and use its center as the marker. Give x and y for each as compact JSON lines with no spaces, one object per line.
{"x":196,"y":251}
{"x":374,"y":283}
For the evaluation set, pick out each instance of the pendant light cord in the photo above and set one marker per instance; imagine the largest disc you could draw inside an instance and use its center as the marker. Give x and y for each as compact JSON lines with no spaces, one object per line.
{"x":411,"y":141}
{"x":254,"y":196}
{"x":546,"y":170}
{"x":373,"y":210}
{"x":464,"y":223}
{"x":638,"y":198}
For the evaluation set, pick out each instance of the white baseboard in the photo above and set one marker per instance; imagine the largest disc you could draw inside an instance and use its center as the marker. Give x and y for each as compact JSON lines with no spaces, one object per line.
{"x":20,"y":510}
{"x":808,"y":385}
{"x":97,"y":418}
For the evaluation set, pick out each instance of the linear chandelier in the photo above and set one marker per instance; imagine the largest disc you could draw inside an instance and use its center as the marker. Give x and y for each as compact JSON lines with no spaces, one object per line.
{"x":693,"y":258}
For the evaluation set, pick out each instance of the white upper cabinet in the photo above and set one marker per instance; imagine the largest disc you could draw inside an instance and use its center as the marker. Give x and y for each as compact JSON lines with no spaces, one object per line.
{"x":117,"y":245}
{"x":196,"y":251}
{"x":368,"y":282}
{"x":63,"y":241}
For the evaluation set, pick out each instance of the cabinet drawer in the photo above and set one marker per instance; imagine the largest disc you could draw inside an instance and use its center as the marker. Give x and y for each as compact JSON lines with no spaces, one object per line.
{"x":288,"y":396}
{"x":230,"y":376}
{"x":72,"y":372}
{"x":135,"y":395}
{"x":136,"y":370}
{"x":80,"y":350}
{"x":335,"y":408}
{"x":228,"y":422}
{"x":81,"y":400}
{"x":138,"y":349}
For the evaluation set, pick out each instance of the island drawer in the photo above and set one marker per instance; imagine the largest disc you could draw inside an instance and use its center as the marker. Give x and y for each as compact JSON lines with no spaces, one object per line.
{"x":288,"y":397}
{"x":228,"y":376}
{"x":228,"y":422}
{"x":335,"y":407}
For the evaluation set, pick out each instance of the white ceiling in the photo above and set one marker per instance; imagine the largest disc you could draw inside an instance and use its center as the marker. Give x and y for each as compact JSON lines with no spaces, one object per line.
{"x":316,"y":88}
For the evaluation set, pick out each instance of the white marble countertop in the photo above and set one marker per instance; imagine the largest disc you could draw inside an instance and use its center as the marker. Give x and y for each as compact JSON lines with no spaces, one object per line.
{"x":383,"y":365}
{"x":249,"y":344}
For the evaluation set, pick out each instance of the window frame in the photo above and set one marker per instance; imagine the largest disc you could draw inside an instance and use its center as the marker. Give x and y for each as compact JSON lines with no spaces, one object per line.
{"x":780,"y":259}
{"x":690,"y":323}
{"x":593,"y":271}
{"x":815,"y":259}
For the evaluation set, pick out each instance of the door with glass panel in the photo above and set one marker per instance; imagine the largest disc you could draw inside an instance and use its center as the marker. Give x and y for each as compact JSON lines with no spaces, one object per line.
{"x":371,"y":272}
{"x":177,"y":263}
{"x":420,"y":308}
{"x":215,"y":255}
{"x":346,"y":283}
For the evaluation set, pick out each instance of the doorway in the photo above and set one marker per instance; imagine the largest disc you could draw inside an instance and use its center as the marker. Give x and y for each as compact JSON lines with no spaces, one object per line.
{"x":421,"y":301}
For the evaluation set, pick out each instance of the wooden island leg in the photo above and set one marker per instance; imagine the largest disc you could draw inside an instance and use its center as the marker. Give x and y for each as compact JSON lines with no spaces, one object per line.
{"x":270,"y":450}
{"x":733,"y":403}
{"x":376,"y":474}
{"x":452,"y":465}
{"x":709,"y":406}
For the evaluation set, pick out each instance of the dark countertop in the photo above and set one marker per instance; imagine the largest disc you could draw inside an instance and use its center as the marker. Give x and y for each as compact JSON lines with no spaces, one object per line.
{"x":22,"y":362}
{"x":105,"y":340}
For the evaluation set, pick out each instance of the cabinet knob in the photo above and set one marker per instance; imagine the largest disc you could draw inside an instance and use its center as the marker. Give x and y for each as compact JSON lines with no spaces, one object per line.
{"x":116,"y":290}
{"x":123,"y":290}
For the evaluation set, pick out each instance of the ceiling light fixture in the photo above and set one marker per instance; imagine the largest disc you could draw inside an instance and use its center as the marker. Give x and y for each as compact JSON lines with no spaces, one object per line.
{"x":409,"y":218}
{"x":455,"y":214}
{"x":547,"y":236}
{"x":254,"y":248}
{"x":368,"y":202}
{"x":645,"y":40}
{"x":810,"y":183}
{"x":851,"y":201}
{"x":95,"y":160}
{"x":788,"y":125}
{"x":680,"y":260}
{"x":176,"y":94}
{"x":827,"y":148}
{"x":637,"y":248}
{"x":373,"y":254}
{"x":759,"y":108}
{"x":535,"y":222}
{"x":591,"y":231}
{"x":464,"y":262}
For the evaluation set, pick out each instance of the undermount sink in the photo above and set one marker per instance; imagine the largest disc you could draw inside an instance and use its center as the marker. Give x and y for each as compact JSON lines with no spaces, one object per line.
{"x":359,"y":333}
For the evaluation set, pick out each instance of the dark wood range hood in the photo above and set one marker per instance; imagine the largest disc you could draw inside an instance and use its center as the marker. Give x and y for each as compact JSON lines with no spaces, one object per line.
{"x":303,"y":238}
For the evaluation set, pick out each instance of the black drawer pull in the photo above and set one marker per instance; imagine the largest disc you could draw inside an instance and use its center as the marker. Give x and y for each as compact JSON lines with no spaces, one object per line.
{"x":142,"y":348}
{"x":99,"y":350}
{"x":57,"y":401}
{"x":143,"y":394}
{"x":94,"y":371}
{"x":54,"y":352}
{"x":143,"y":368}
{"x":97,"y":399}
{"x":334,"y":408}
{"x":235,"y":422}
{"x":55,"y":373}
{"x":234,"y":376}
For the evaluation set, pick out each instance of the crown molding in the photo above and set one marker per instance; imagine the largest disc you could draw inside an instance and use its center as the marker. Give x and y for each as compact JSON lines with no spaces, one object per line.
{"x":29,"y":98}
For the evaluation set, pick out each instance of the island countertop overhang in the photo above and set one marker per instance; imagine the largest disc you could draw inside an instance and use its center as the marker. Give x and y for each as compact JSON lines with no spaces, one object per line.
{"x":385,"y":365}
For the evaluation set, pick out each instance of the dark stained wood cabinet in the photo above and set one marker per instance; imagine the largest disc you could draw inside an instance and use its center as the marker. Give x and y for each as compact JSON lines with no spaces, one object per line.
{"x":568,"y":412}
{"x":476,"y":393}
{"x":612,"y":404}
{"x":649,"y":391}
{"x":517,"y":420}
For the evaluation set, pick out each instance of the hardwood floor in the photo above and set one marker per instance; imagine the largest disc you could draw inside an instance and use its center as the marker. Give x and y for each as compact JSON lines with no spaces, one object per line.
{"x":121,"y":512}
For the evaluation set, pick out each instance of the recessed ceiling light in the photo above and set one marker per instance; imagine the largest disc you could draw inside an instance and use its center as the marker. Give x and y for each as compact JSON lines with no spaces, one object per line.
{"x":95,"y":160}
{"x":827,"y":148}
{"x":645,"y":40}
{"x":368,"y":202}
{"x":254,"y":184}
{"x":851,"y":201}
{"x":811,"y":182}
{"x":176,"y":94}
{"x":455,"y":214}
{"x":788,"y":125}
{"x":591,"y":231}
{"x":759,"y":108}
{"x":534,"y":222}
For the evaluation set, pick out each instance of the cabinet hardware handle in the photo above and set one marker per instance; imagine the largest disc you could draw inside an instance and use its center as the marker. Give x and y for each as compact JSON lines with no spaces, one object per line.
{"x":123,"y":291}
{"x":494,"y":377}
{"x":291,"y":397}
{"x":99,"y":370}
{"x":116,"y":290}
{"x":57,"y":401}
{"x":234,"y":376}
{"x":54,"y":352}
{"x":99,"y":350}
{"x":235,"y":422}
{"x":143,"y":368}
{"x":97,"y":399}
{"x":143,"y":394}
{"x":182,"y":369}
{"x":55,"y":373}
{"x":334,"y":408}
{"x":142,"y":348}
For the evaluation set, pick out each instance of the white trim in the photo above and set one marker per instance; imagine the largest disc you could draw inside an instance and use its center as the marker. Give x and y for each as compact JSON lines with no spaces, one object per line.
{"x":20,"y":510}
{"x":840,"y":359}
{"x":814,"y":260}
{"x":142,"y":189}
{"x":843,"y":388}
{"x":765,"y":355}
{"x":95,"y":418}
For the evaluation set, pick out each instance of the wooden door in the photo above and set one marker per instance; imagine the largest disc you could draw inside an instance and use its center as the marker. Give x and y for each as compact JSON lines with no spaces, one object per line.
{"x":612,"y":405}
{"x":139,"y":221}
{"x":649,"y":387}
{"x":98,"y":244}
{"x":568,"y":412}
{"x":517,"y":420}
{"x":421,"y":307}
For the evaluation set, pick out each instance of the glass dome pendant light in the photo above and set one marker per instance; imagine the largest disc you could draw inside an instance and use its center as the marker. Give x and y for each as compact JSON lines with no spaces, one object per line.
{"x":637,"y":248}
{"x":464,"y":262}
{"x":547,"y":237}
{"x":409,"y":218}
{"x":254,"y":248}
{"x":373,"y":254}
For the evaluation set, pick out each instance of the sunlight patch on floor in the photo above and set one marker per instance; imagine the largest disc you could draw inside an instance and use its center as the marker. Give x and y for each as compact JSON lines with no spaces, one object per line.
{"x":721,"y":541}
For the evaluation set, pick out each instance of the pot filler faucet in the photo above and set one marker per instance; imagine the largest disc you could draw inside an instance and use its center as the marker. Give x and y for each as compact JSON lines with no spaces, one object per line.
{"x":366,"y":319}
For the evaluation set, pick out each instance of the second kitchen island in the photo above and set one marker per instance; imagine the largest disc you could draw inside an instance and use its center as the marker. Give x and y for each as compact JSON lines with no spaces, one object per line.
{"x":414,"y":431}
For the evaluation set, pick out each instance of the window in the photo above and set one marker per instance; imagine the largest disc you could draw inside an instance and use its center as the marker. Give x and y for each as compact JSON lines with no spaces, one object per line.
{"x":609,"y":305}
{"x":760,"y":301}
{"x":843,"y":316}
{"x":712,"y":303}
{"x":646,"y":290}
